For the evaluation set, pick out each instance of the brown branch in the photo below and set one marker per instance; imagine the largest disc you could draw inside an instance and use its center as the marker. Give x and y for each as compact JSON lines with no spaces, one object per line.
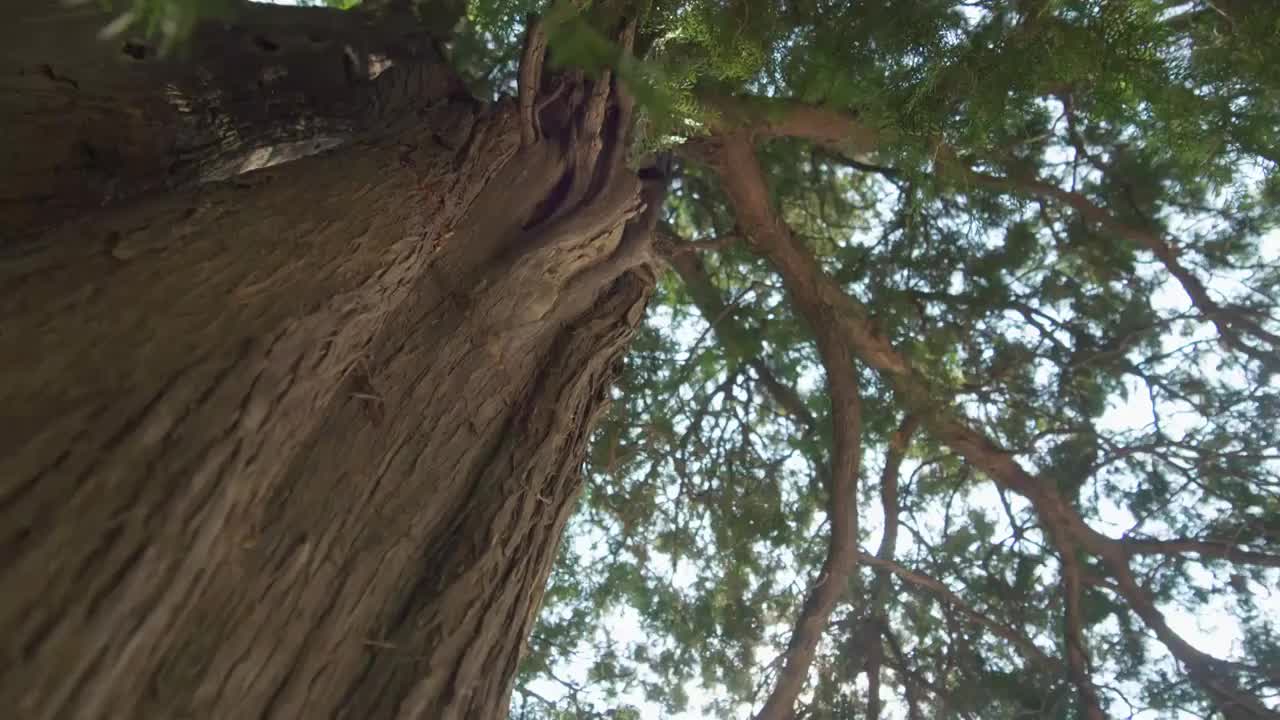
{"x":824,"y":304}
{"x":529,"y":80}
{"x":880,"y":588}
{"x":691,"y":246}
{"x":913,"y":680}
{"x":842,"y":131}
{"x":1205,"y":548}
{"x":1230,"y":323}
{"x":1210,"y":673}
{"x":763,"y":118}
{"x":842,"y":551}
{"x":910,"y":679}
{"x":787,"y":397}
{"x":874,"y":658}
{"x":888,"y":173}
{"x":899,"y":442}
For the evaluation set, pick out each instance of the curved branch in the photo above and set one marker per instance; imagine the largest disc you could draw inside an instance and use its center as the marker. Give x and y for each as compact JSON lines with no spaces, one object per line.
{"x":899,"y":442}
{"x":1210,"y":673}
{"x":706,"y":297}
{"x":762,"y":118}
{"x":842,"y":552}
{"x":913,"y":681}
{"x":675,"y":248}
{"x":1220,"y":549}
{"x":1230,"y":323}
{"x":880,"y":588}
{"x":529,"y":81}
{"x":822,"y":302}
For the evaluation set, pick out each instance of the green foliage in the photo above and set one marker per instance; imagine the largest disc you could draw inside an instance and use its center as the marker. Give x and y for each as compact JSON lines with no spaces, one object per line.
{"x":1065,"y":343}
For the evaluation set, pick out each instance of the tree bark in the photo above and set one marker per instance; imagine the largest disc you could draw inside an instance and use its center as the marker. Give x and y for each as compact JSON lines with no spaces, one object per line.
{"x":302,"y":443}
{"x":91,"y":121}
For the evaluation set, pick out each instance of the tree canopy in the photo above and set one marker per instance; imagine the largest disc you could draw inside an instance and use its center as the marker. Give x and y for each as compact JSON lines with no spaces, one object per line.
{"x":962,"y":389}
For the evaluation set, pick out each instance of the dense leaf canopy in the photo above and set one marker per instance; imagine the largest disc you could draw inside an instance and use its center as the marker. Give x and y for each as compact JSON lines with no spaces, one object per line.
{"x":1018,"y":260}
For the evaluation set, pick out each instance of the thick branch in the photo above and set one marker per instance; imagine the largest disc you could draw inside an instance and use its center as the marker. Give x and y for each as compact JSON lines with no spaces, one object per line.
{"x":674,"y":247}
{"x":842,"y":551}
{"x":707,"y":298}
{"x":874,"y":660}
{"x":1208,"y":672}
{"x":842,"y":515}
{"x":867,"y":641}
{"x":897,"y":452}
{"x":824,"y":304}
{"x":764,"y":118}
{"x":1205,"y":548}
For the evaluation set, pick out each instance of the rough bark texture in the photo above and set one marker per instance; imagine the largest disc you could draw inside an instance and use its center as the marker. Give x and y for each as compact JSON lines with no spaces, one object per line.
{"x":89,"y":121}
{"x":302,"y":443}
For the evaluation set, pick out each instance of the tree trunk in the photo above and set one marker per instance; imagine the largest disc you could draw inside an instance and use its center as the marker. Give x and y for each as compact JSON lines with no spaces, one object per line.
{"x":302,"y":443}
{"x":90,"y":121}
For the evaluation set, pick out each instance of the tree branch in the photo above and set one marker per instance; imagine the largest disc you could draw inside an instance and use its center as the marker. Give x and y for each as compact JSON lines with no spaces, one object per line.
{"x":909,"y":678}
{"x":888,"y":173}
{"x":1229,"y":322}
{"x":1205,"y":548}
{"x":824,"y":305}
{"x":874,"y":659}
{"x":684,"y":247}
{"x":881,"y":587}
{"x":706,"y":297}
{"x":529,"y":81}
{"x":842,"y":551}
{"x":842,"y":131}
{"x":899,"y":442}
{"x":1210,"y":673}
{"x":1024,"y":645}
{"x":763,"y":118}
